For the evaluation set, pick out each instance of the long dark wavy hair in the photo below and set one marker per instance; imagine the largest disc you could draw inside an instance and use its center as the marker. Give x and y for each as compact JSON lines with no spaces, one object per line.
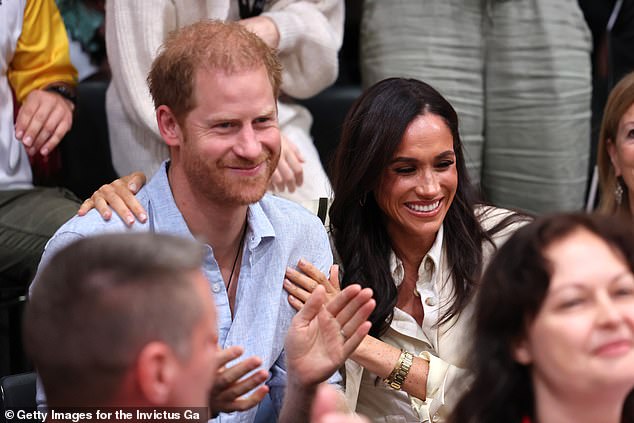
{"x":372,"y":131}
{"x":516,"y":282}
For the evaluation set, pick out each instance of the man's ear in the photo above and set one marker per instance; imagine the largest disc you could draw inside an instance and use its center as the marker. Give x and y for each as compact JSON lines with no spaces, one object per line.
{"x":521,"y":352}
{"x":613,"y":157}
{"x":170,"y":129}
{"x":157,"y":368}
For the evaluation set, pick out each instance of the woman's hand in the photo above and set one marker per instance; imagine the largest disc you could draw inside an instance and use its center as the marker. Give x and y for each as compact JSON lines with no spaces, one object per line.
{"x":300,"y":284}
{"x":118,"y":196}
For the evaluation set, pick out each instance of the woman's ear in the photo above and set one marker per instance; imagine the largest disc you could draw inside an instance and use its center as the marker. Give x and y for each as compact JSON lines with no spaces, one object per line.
{"x":614,"y":158}
{"x":521,"y":352}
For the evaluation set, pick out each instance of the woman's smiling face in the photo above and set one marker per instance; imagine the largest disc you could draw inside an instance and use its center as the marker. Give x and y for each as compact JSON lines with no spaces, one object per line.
{"x":419,"y":184}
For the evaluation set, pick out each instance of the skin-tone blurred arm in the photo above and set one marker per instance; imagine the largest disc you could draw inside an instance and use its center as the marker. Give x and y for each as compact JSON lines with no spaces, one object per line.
{"x":289,"y":173}
{"x":372,"y":353}
{"x":265,"y":28}
{"x":325,"y":408}
{"x":319,"y":340}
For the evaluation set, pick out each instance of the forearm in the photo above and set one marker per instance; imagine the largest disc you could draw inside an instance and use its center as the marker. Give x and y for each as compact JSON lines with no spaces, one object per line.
{"x":298,"y":402}
{"x":380,"y":358}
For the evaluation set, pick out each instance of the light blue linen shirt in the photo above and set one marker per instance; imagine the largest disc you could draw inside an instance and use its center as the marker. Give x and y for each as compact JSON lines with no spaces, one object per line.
{"x":279,"y":233}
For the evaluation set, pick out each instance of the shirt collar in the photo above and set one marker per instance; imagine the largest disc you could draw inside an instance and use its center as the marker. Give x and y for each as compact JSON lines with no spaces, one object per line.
{"x":432,"y":256}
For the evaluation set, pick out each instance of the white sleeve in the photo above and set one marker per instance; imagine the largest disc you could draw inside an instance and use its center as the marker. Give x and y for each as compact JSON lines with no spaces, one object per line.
{"x":445,"y":384}
{"x":311,"y":33}
{"x":134,"y":32}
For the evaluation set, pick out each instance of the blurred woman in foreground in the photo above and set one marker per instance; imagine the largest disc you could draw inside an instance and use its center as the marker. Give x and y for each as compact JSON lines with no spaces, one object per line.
{"x":554,"y":335}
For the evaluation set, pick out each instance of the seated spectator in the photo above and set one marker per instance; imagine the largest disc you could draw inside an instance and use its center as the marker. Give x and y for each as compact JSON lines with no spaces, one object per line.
{"x":128,"y":320}
{"x":307,"y":34}
{"x":616,"y":151}
{"x":406,"y":222}
{"x":554,"y":326}
{"x":35,"y":64}
{"x":124,"y":320}
{"x":214,"y":86}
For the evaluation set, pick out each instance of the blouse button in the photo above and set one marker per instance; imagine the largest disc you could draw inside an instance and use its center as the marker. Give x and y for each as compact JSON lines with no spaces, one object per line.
{"x":430,"y":301}
{"x":215,"y":288}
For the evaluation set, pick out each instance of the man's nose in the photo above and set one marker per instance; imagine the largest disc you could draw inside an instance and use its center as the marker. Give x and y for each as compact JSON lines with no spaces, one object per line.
{"x":247,"y":146}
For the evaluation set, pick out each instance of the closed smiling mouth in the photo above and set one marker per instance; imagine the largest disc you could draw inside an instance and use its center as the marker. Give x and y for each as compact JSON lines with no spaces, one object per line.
{"x":614,"y":348}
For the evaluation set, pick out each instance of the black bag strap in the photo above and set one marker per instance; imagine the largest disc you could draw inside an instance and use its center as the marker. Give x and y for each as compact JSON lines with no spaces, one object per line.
{"x":250,"y":8}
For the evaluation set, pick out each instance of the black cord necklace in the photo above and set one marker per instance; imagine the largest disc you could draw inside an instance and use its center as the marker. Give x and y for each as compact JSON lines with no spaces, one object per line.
{"x":235,"y":260}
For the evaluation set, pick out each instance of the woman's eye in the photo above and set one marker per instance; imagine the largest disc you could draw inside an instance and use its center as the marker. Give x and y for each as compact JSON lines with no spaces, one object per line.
{"x":570,"y":303}
{"x":405,"y":170}
{"x":624,"y":290}
{"x":445,"y":164}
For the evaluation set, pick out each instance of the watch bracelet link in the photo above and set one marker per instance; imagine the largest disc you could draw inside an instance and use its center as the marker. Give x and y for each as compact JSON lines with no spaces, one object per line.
{"x":396,"y":379}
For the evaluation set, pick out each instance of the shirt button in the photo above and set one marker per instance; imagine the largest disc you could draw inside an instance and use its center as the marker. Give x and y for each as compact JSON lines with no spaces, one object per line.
{"x":428,"y":265}
{"x":215,"y":288}
{"x":435,"y":418}
{"x":430,"y":301}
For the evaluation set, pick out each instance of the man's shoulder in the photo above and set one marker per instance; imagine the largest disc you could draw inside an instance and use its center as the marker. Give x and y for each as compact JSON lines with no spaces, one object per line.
{"x":93,"y":224}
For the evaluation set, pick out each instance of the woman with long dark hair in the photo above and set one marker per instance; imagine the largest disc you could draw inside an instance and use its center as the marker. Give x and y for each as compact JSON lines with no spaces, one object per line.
{"x":407,"y":222}
{"x":554,"y":334}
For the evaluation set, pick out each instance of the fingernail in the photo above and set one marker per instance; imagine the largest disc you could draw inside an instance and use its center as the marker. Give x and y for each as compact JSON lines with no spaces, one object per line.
{"x":301,"y":261}
{"x":143,"y":217}
{"x":44,"y":151}
{"x":28,"y":140}
{"x":129,"y":219}
{"x":19,"y":134}
{"x":132,"y":187}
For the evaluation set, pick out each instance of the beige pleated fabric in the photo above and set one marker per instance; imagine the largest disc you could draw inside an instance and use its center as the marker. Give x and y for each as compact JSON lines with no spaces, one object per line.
{"x":518,"y":73}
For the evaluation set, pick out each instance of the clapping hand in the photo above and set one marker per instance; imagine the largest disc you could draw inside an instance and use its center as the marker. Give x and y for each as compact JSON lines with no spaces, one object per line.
{"x":322,"y":336}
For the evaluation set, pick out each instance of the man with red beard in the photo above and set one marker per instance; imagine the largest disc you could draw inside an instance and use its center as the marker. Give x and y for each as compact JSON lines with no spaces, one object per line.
{"x":214,"y":86}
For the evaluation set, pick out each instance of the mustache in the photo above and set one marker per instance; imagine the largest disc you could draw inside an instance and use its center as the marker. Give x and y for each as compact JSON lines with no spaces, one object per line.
{"x":245,"y":163}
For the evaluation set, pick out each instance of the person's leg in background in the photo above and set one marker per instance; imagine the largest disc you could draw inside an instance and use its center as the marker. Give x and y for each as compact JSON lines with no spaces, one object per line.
{"x":537,"y":105}
{"x":28,"y":218}
{"x":437,"y":41}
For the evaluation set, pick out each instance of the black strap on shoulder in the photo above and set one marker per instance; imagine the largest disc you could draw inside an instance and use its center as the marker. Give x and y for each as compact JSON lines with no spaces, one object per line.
{"x":322,"y":209}
{"x":250,"y":8}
